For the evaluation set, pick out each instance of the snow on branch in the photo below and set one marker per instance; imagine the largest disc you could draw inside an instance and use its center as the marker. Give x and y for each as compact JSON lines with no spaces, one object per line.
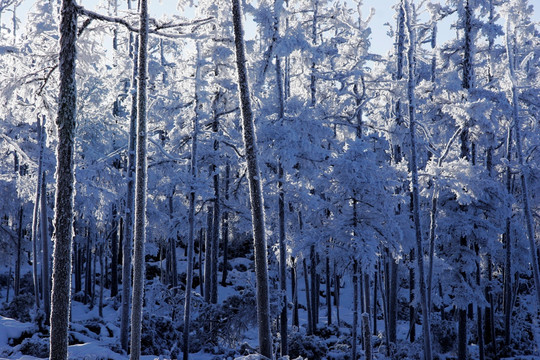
{"x":157,"y":27}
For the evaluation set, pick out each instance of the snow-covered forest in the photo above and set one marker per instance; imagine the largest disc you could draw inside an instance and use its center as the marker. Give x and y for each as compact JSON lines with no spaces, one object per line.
{"x":250,"y":179}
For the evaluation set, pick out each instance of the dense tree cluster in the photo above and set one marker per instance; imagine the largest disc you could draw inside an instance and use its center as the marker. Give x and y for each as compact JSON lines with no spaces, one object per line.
{"x":406,"y":182}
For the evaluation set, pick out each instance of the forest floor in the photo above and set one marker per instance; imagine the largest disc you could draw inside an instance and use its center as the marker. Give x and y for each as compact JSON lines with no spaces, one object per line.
{"x":96,"y":337}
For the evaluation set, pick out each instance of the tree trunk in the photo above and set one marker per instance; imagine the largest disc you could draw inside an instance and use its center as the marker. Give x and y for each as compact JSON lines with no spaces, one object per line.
{"x":294,"y":289}
{"x":412,"y":308}
{"x":35,"y":214}
{"x":88,"y":270}
{"x":336,"y":295}
{"x":18,"y":259}
{"x":282,"y":261}
{"x":308,"y":300}
{"x":314,"y":291}
{"x":415,"y":191}
{"x":479,"y":323}
{"x":191,"y":215}
{"x":130,"y":200}
{"x":392,"y":298}
{"x":375,"y":286}
{"x":225,"y":229}
{"x":328,"y":294}
{"x":201,"y":276}
{"x":508,"y":251}
{"x":208,"y":256}
{"x":65,"y":179}
{"x":256,"y":200}
{"x":77,"y":267}
{"x":367,"y":337}
{"x":102,"y":276}
{"x":45,"y":273}
{"x":140,"y":189}
{"x":114,"y":253}
{"x":217,"y":201}
{"x":355,"y":310}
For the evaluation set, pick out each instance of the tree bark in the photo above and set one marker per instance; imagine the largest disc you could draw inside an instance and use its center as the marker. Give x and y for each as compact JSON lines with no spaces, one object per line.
{"x":225,"y":229}
{"x":35,"y":214}
{"x":114,"y":253}
{"x":208,"y":256}
{"x":140,"y":188}
{"x":65,"y":179}
{"x":328,"y":294}
{"x":308,"y":300}
{"x":256,"y":200}
{"x":367,"y":337}
{"x":294,"y":289}
{"x":45,"y":273}
{"x":415,"y":191}
{"x":18,"y":259}
{"x":355,"y":311}
{"x":191,"y":215}
{"x":130,"y":200}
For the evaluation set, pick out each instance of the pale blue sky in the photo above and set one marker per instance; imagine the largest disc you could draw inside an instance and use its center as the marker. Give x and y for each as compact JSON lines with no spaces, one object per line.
{"x":380,"y":42}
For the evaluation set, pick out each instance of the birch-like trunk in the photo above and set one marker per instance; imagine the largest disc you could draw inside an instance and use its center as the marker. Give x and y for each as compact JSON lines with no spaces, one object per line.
{"x":415,"y":192}
{"x":35,"y":214}
{"x":191,"y":215}
{"x":508,"y":251}
{"x":255,"y":191}
{"x":65,"y":180}
{"x":140,"y":188}
{"x":44,"y":225}
{"x":130,"y":201}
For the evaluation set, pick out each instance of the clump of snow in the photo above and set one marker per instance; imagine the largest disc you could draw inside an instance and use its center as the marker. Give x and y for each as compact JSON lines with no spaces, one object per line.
{"x":13,"y":329}
{"x":93,"y":351}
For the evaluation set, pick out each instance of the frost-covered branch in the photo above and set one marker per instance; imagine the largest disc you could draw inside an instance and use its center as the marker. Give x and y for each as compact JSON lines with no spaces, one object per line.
{"x":164,"y":152}
{"x":156,"y":26}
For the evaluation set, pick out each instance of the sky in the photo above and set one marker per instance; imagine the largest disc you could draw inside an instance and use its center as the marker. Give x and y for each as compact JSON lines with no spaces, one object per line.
{"x":380,"y":41}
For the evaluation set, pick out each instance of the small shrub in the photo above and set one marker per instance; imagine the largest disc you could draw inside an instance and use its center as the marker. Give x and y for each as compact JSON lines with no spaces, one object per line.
{"x":20,"y":308}
{"x":309,"y":347}
{"x":158,"y":335}
{"x":35,"y":346}
{"x":444,"y":334}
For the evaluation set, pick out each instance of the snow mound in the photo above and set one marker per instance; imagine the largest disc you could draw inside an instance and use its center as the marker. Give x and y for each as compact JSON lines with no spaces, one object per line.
{"x":93,"y":351}
{"x":13,"y":329}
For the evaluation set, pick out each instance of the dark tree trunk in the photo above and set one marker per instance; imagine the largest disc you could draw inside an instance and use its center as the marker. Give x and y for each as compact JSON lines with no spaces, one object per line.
{"x":18,"y":259}
{"x":88,"y":269}
{"x":65,"y":179}
{"x":308,"y":300}
{"x":114,"y":253}
{"x":412,"y":309}
{"x":208,"y":256}
{"x":225,"y":229}
{"x":201,"y":276}
{"x":314,"y":294}
{"x":328,"y":294}
{"x":355,"y":281}
{"x":294,"y":289}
